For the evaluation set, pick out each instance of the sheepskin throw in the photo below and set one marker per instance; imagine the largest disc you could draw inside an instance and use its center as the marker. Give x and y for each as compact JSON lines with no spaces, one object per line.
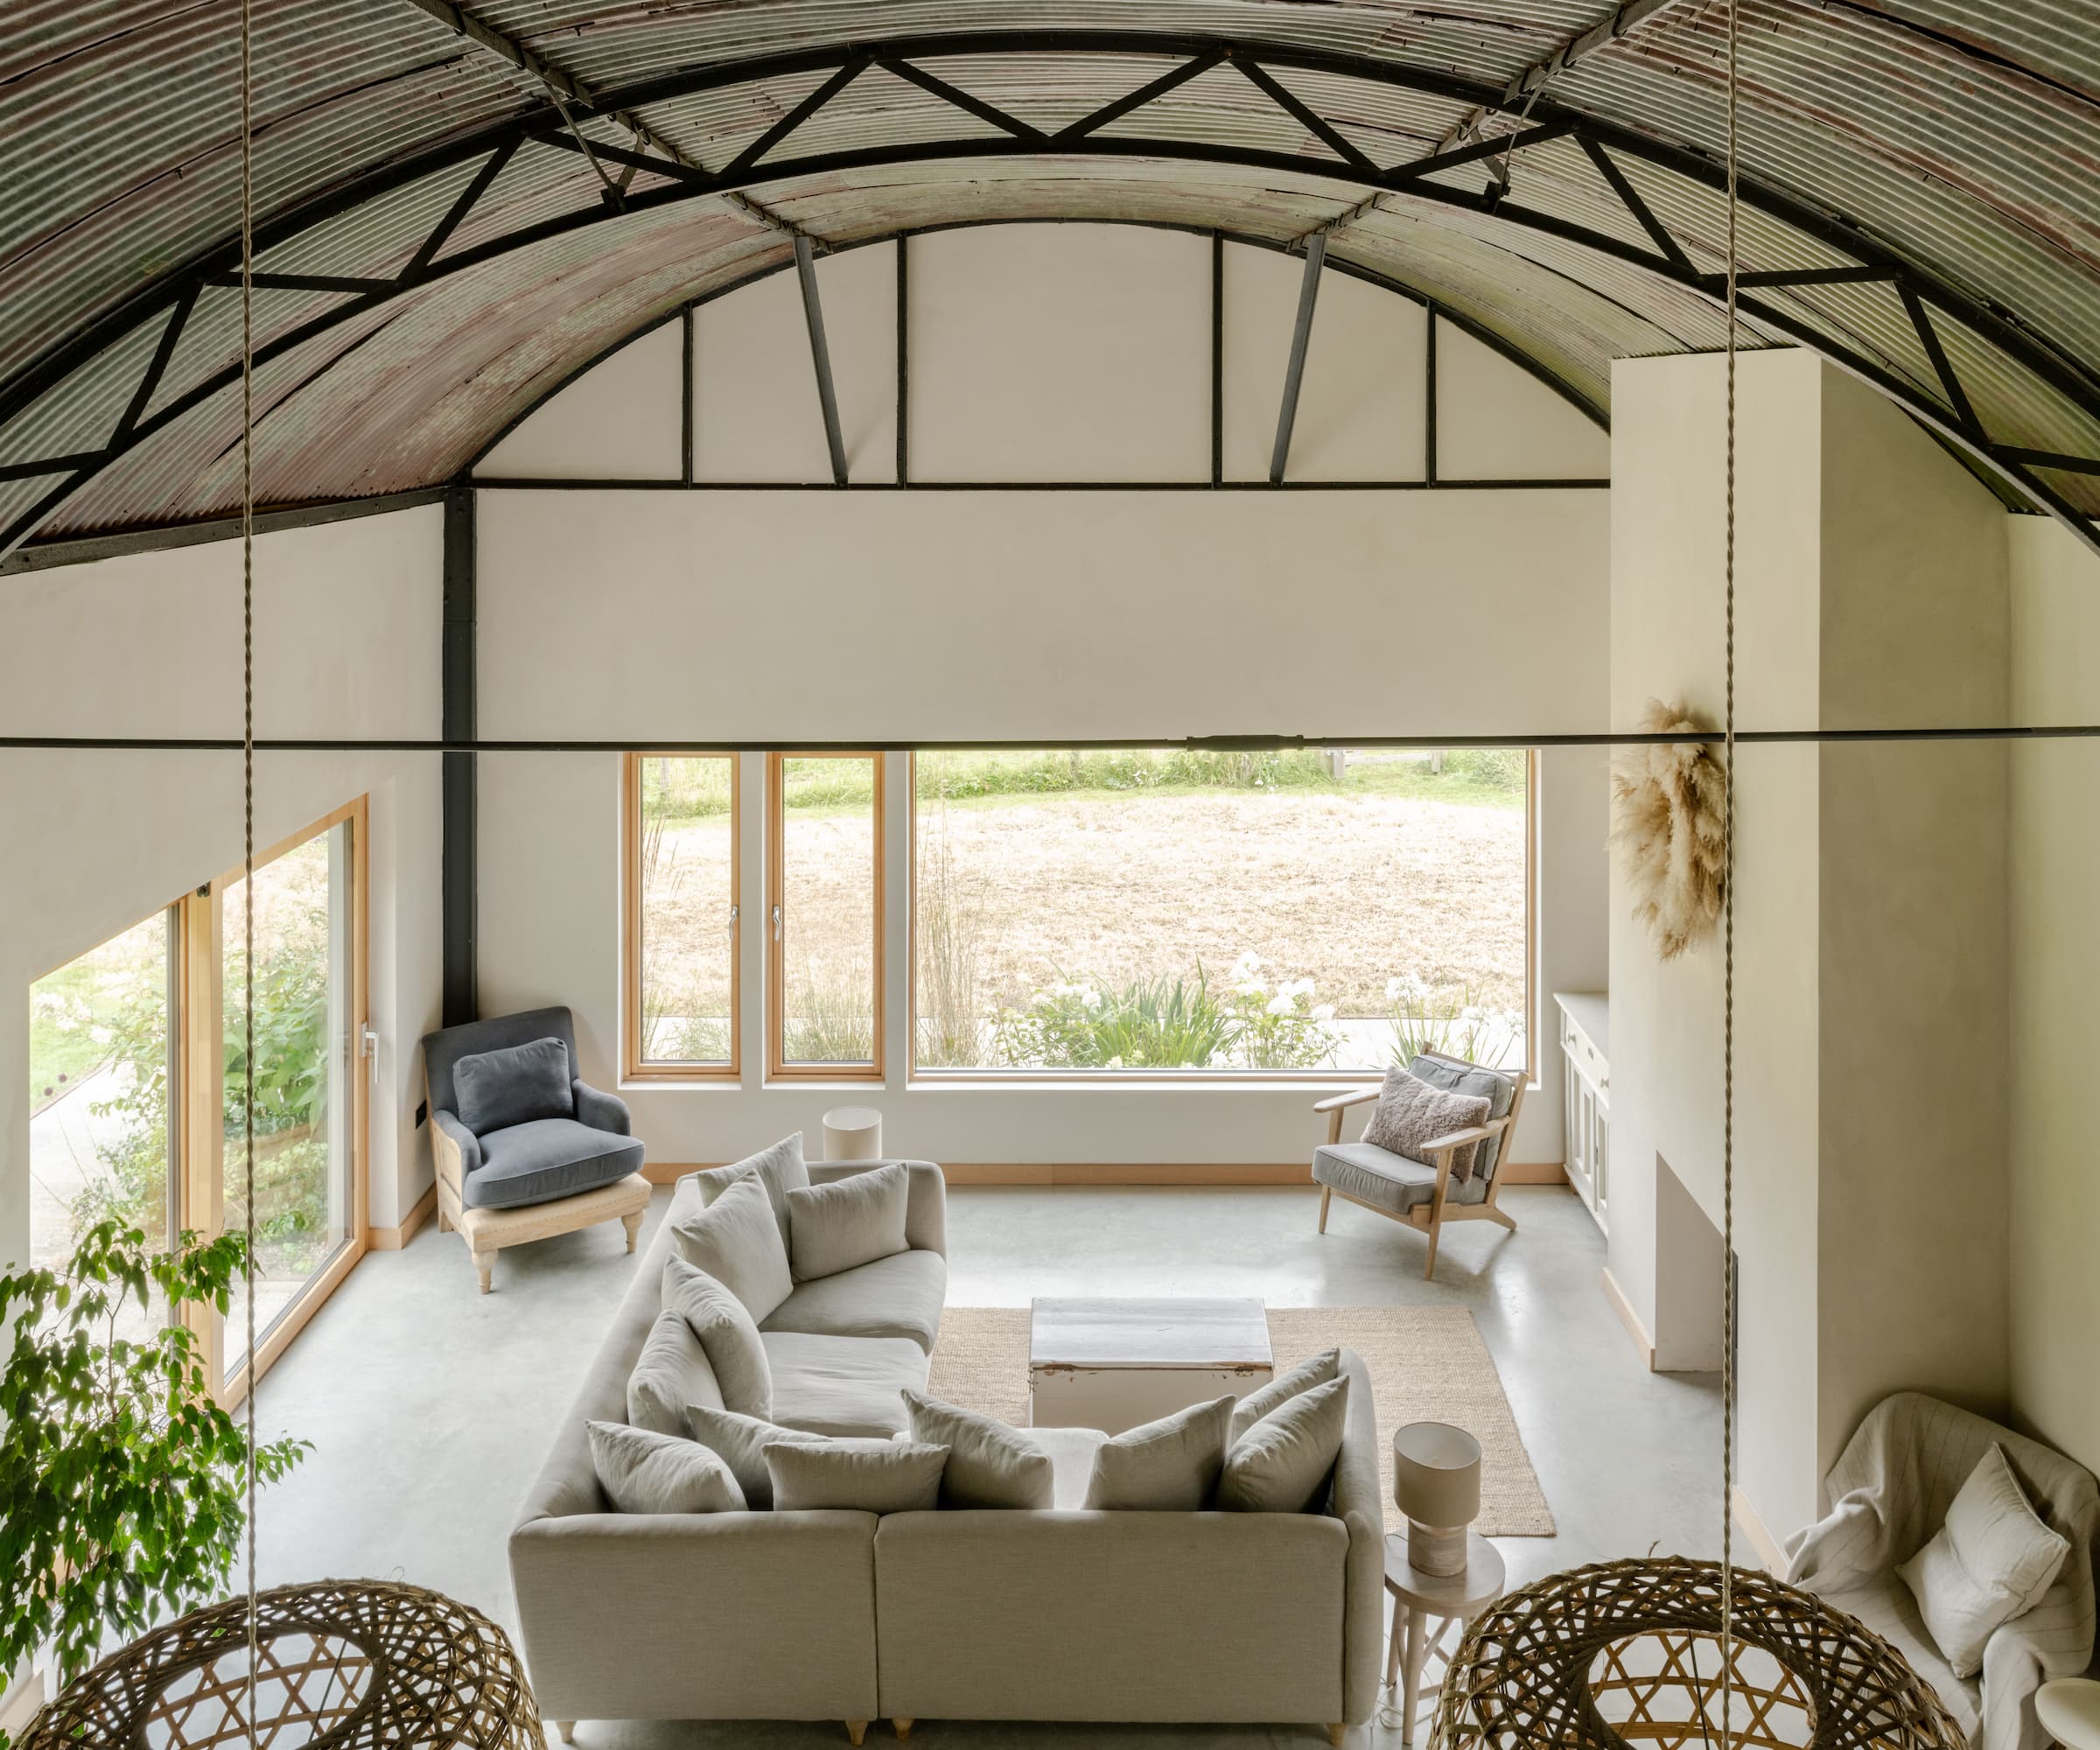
{"x":1411,"y":1114}
{"x":1668,"y":800}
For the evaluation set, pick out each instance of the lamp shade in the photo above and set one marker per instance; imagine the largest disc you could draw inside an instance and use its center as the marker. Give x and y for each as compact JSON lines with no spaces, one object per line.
{"x":1436,"y":1473}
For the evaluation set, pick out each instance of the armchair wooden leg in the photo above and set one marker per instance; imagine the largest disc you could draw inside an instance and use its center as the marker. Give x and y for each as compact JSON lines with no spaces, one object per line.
{"x":856,"y":1730}
{"x":633,"y":1224}
{"x":1336,"y":1733}
{"x":1429,"y":1270}
{"x":1327,"y":1195}
{"x":567,"y":1728}
{"x":903,"y":1728}
{"x":1495,"y":1215}
{"x":485,"y":1266}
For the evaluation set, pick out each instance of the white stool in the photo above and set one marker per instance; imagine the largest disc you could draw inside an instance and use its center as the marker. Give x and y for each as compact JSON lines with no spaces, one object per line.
{"x":852,"y":1133}
{"x":1420,"y":1599}
{"x":2069,"y":1711}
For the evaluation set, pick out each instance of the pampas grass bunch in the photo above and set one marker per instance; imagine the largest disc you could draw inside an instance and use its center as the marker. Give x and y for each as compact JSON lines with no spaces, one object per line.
{"x":1668,"y":802}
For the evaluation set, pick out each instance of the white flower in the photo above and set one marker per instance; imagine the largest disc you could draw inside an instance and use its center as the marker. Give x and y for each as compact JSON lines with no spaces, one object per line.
{"x":1299,"y":987}
{"x":1325,"y":1011}
{"x":1392,"y":989}
{"x":1283,"y":1003}
{"x":101,"y":1035}
{"x":1253,"y":987}
{"x":1090,"y":998}
{"x":1247,"y":964}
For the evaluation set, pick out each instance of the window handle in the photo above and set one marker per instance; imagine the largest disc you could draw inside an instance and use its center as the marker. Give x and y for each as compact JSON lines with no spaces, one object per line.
{"x":368,"y":1046}
{"x":776,"y":923}
{"x":732,"y":914}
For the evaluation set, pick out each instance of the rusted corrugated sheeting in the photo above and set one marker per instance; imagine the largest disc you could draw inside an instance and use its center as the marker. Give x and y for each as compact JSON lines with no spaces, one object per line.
{"x":1962,"y":137}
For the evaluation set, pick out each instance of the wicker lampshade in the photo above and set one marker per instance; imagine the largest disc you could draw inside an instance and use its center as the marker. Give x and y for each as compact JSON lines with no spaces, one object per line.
{"x":1623,"y":1653}
{"x":353,"y":1664}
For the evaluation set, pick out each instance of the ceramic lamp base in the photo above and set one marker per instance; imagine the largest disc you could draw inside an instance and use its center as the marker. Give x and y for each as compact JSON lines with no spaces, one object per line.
{"x":1437,"y":1550}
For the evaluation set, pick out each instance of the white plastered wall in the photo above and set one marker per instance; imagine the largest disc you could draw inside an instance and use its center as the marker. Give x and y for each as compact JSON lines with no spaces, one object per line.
{"x":1038,"y":355}
{"x":346,"y":623}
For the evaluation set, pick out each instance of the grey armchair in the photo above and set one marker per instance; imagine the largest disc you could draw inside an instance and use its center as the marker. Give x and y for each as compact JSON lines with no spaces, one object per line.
{"x":524,"y":1148}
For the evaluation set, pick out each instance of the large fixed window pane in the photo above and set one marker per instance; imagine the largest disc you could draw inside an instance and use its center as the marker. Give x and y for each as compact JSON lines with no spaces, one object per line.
{"x":824,"y":922}
{"x":680,"y":975}
{"x":105,"y":1099}
{"x":1172,"y":911}
{"x":305,"y":1063}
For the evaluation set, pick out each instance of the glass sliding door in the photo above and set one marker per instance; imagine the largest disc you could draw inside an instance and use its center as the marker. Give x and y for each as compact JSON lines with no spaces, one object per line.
{"x":306,"y":904}
{"x":824,"y":918}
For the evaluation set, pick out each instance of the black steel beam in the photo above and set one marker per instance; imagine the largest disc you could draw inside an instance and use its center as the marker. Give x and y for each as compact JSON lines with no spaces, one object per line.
{"x":460,"y":886}
{"x":1294,"y":372}
{"x":914,"y":75}
{"x":685,"y":395}
{"x":1429,"y":397}
{"x":1217,"y":358}
{"x":904,"y":358}
{"x":819,"y":357}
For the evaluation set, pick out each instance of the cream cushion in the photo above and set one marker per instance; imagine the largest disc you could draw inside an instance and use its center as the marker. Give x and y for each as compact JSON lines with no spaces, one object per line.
{"x":858,"y":1476}
{"x":1303,"y":1377}
{"x":1991,"y":1561}
{"x":1164,"y":1467}
{"x":1282,"y":1464}
{"x":780,"y":1169}
{"x":1410,"y":1115}
{"x":737,"y":1240}
{"x":671,"y":1372}
{"x":988,"y":1463}
{"x":741,"y":1441}
{"x":727,"y":1332}
{"x":645,"y":1473}
{"x":850,"y":1222}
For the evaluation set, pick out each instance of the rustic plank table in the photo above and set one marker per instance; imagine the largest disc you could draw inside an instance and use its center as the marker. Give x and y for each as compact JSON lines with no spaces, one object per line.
{"x":1111,"y":1364}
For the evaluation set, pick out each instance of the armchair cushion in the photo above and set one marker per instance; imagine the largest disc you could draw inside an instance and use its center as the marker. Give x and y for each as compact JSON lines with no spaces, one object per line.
{"x":1455,"y":1075}
{"x":547,"y":1158}
{"x":1411,"y":1114}
{"x":1387,"y":1181}
{"x":497,"y":1090}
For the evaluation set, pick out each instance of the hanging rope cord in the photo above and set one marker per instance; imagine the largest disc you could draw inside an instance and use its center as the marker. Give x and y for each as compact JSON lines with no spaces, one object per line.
{"x":1728,"y":1381}
{"x":248,"y":790}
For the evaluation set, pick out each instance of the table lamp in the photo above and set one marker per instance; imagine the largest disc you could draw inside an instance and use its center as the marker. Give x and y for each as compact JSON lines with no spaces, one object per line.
{"x":1437,"y":1483}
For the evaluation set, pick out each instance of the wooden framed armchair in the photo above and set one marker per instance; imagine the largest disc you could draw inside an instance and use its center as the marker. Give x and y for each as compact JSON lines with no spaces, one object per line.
{"x":1420,"y":1193}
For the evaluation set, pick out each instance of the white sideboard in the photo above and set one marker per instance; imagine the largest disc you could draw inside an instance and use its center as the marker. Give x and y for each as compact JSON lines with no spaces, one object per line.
{"x":1585,"y":1096}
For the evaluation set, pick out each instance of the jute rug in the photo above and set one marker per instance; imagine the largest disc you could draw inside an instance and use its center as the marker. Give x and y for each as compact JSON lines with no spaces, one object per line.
{"x":1427,"y":1364}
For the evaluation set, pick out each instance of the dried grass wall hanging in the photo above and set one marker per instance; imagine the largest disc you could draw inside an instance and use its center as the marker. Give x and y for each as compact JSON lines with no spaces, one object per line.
{"x":1669,"y":800}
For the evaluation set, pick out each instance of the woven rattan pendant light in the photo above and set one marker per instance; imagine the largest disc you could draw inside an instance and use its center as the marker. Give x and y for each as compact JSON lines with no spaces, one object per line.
{"x":351,"y":1663}
{"x":1666,"y":1651}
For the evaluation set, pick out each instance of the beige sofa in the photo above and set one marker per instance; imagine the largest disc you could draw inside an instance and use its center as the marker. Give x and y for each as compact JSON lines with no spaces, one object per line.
{"x":1063,"y":1614}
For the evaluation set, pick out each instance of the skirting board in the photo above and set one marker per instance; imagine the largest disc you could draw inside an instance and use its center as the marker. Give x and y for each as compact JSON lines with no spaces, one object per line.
{"x":393,"y":1239}
{"x":1752,"y":1528}
{"x":1628,"y":1318}
{"x":1134,"y":1173}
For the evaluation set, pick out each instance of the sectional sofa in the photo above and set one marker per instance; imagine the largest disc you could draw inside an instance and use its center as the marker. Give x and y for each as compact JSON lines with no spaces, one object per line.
{"x":1061,"y":1614}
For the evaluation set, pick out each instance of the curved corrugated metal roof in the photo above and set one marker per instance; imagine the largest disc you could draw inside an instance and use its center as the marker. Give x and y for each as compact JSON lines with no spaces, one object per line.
{"x":1931,"y":164}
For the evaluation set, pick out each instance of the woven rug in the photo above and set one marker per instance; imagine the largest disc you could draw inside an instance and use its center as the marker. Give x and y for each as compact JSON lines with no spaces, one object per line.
{"x":1427,"y":1364}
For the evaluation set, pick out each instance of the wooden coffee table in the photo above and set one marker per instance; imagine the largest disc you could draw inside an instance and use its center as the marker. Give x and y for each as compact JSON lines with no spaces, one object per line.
{"x":1113,"y":1364}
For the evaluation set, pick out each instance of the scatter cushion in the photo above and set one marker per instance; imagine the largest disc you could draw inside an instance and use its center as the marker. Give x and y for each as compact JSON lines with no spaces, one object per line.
{"x":1164,"y":1467}
{"x":850,"y":1222}
{"x":1491,"y":1085}
{"x":727,"y":1332}
{"x":856,"y":1476}
{"x":1410,"y":1115}
{"x":900,"y":1296}
{"x":741,"y":1442}
{"x":671,"y":1372}
{"x":1282,"y":1464}
{"x":780,"y":1169}
{"x":1322,"y":1367}
{"x":1990,"y":1562}
{"x":645,"y":1473}
{"x":736,"y":1240}
{"x":496,"y":1089}
{"x":988,"y":1463}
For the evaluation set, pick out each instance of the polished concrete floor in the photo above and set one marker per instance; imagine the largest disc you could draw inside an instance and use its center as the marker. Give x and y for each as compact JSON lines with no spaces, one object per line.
{"x":430,"y":1406}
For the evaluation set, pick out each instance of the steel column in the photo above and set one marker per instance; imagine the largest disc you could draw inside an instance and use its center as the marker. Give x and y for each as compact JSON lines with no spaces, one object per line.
{"x":460,"y":884}
{"x":819,"y":356}
{"x":1294,"y":374}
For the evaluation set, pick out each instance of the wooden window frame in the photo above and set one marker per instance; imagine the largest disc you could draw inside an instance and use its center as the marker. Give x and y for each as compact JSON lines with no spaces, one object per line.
{"x":632,"y":1066}
{"x":777,"y":1067}
{"x":1198,"y":1078}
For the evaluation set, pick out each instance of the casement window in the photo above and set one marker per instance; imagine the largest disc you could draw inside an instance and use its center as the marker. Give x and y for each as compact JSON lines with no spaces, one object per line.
{"x":824,"y":917}
{"x":1174,"y":913}
{"x":681,"y":975}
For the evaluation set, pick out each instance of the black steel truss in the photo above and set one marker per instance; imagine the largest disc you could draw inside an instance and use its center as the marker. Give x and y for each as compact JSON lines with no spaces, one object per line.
{"x":171,"y":299}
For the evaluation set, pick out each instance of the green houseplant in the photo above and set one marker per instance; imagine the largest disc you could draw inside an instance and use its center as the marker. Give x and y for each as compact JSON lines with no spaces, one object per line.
{"x":120,"y":1477}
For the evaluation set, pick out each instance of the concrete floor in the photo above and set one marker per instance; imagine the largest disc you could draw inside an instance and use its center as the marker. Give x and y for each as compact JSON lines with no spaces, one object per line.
{"x":430,"y":1406}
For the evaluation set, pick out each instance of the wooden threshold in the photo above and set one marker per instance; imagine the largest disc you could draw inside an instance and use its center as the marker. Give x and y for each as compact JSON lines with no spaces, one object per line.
{"x":393,"y":1239}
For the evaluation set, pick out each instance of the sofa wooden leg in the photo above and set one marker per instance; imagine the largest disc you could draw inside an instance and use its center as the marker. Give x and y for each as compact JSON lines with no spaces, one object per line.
{"x":1336,"y":1733}
{"x":903,"y":1728}
{"x":567,"y":1728}
{"x":1327,"y":1195}
{"x":485,"y":1266}
{"x":633,"y":1224}
{"x":856,"y":1730}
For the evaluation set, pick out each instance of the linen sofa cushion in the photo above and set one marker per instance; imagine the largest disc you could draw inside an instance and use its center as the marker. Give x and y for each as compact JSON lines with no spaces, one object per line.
{"x":1281,"y":1389}
{"x":899,"y":1296}
{"x":741,"y":1441}
{"x":1990,"y":1562}
{"x":1282,"y":1464}
{"x":496,"y":1090}
{"x":545,"y":1159}
{"x":990,"y":1464}
{"x":843,"y":1386}
{"x":1071,"y":1451}
{"x":833,"y":1227}
{"x":857,"y":1476}
{"x":1164,"y":1467}
{"x":1456,"y":1077}
{"x":1410,"y":1115}
{"x":1387,"y":1181}
{"x":736,"y":1240}
{"x":727,"y":1332}
{"x":671,"y":1373}
{"x":645,"y":1473}
{"x":780,"y":1169}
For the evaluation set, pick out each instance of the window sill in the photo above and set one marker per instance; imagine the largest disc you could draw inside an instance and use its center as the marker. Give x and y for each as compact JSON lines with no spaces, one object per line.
{"x":1314,"y":1087}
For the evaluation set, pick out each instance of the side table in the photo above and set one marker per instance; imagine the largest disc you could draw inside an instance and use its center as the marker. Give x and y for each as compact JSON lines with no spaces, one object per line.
{"x":1427,"y":1607}
{"x":2069,"y":1711}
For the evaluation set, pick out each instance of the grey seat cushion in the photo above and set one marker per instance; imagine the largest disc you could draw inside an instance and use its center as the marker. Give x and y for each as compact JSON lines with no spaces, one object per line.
{"x":1454,"y":1077}
{"x":1377,"y":1176}
{"x":899,"y":1296}
{"x":547,"y":1158}
{"x":847,"y":1386}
